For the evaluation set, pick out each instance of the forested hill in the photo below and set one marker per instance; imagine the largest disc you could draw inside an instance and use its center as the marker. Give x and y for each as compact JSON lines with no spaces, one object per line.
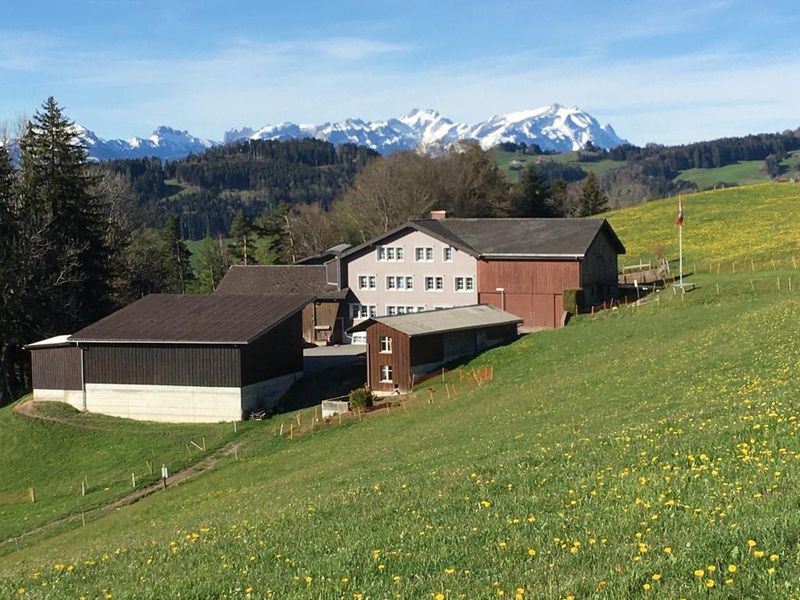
{"x":207,"y":190}
{"x":631,"y":174}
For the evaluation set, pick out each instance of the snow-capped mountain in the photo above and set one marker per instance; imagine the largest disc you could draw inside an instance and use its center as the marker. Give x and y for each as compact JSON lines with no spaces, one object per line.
{"x":165,"y":143}
{"x":554,"y":127}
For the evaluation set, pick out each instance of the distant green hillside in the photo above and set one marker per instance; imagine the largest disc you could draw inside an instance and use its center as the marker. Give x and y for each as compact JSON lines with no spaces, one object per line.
{"x":635,"y":453}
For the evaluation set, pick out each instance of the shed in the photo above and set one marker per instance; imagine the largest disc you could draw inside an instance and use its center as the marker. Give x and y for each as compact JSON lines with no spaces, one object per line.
{"x":177,"y":358}
{"x":402,"y":348}
{"x":323,"y":316}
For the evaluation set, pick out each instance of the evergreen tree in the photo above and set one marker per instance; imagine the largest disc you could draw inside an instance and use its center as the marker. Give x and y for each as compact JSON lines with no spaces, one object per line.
{"x":178,"y":265}
{"x":592,"y":199}
{"x":9,"y":261}
{"x":560,"y":201}
{"x":532,"y":195}
{"x":213,"y":261}
{"x":242,"y":232}
{"x":60,"y":213}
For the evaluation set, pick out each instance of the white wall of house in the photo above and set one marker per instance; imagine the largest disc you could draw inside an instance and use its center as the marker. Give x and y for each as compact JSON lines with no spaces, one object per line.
{"x":433,"y":265}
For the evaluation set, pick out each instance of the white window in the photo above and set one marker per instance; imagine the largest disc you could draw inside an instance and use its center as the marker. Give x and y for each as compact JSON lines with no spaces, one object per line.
{"x":391,"y":310}
{"x":366,"y":282}
{"x":363,"y":311}
{"x":423,"y":254}
{"x":434,"y":284}
{"x":447,"y":254}
{"x":464,"y":284}
{"x":390,"y":253}
{"x":386,"y":344}
{"x":386,"y":373}
{"x":399,"y":282}
{"x":394,"y":309}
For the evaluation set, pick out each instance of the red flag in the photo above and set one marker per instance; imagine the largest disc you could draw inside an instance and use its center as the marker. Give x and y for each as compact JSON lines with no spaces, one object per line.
{"x":679,"y":218}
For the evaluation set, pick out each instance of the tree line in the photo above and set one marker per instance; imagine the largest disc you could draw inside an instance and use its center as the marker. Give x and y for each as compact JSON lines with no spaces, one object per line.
{"x":72,"y":248}
{"x":387,"y":192}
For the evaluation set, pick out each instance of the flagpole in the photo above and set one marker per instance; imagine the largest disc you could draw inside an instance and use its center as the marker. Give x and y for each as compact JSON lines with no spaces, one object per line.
{"x":680,"y":253}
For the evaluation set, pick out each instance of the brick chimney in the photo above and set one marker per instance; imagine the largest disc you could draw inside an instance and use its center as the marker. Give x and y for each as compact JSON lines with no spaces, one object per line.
{"x":438,"y":215}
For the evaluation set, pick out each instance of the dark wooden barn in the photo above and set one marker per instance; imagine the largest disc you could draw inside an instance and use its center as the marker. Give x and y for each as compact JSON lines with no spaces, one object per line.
{"x":323,"y":317}
{"x":177,"y":358}
{"x":404,"y":347}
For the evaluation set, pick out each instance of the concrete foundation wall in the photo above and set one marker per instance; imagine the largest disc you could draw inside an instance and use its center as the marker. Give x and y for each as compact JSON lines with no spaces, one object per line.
{"x":267,"y":393}
{"x":71,"y":397}
{"x":174,"y":403}
{"x":165,"y":403}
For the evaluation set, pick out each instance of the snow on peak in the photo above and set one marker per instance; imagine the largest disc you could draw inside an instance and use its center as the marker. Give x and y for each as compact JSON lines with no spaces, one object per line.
{"x":555,"y":127}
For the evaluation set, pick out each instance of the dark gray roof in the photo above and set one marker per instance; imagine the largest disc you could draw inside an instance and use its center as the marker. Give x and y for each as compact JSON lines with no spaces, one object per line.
{"x":193,"y":318}
{"x":510,"y":238}
{"x":440,"y":321}
{"x":308,"y":280}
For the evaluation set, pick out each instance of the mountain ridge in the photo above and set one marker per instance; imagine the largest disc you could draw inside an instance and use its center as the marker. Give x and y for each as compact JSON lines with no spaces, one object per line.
{"x":553,"y":128}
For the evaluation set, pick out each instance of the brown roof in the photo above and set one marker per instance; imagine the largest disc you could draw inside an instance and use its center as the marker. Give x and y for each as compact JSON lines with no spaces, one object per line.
{"x":193,"y":319}
{"x":509,"y":238}
{"x":280,"y":279}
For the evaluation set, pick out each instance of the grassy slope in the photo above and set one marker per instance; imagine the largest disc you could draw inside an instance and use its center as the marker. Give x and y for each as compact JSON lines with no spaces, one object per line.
{"x":53,"y":458}
{"x":751,"y":171}
{"x":595,"y":449}
{"x":600,"y":167}
{"x":758,"y":222}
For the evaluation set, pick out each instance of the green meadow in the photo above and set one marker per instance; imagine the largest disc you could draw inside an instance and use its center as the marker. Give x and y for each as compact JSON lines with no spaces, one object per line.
{"x":648,"y":451}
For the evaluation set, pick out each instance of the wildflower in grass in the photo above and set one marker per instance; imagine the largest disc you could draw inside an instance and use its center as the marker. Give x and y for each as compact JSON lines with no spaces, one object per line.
{"x":751,"y":543}
{"x":601,"y":585}
{"x":308,"y":579}
{"x":773,"y":557}
{"x":656,"y":576}
{"x":381,"y":567}
{"x":710,"y":583}
{"x":711,"y":568}
{"x":699,"y":572}
{"x":485,"y":503}
{"x":449,"y":570}
{"x":667,"y":550}
{"x":439,"y":596}
{"x":531,"y":551}
{"x":728,"y":581}
{"x":759,"y":553}
{"x":647,"y":587}
{"x":21,"y":591}
{"x":771,"y":570}
{"x":345,"y":580}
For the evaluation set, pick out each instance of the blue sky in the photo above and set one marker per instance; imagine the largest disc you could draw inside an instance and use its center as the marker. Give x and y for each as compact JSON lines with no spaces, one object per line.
{"x":667,"y":72}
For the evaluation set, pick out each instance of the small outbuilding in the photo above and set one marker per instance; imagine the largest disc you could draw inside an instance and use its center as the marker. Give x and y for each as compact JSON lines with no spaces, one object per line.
{"x":402,"y":348}
{"x":177,"y":358}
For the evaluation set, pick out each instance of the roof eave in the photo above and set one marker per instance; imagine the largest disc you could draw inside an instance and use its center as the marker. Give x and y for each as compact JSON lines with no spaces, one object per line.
{"x":526,"y":256}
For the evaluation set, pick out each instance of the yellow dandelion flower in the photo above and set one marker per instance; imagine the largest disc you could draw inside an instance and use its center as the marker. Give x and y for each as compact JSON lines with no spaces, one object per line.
{"x":711,"y":568}
{"x":248,"y":590}
{"x":731,"y":568}
{"x":439,"y":596}
{"x":759,"y":553}
{"x":21,"y":591}
{"x":699,"y":572}
{"x":668,"y":550}
{"x":656,"y":576}
{"x":751,"y":543}
{"x":771,"y":570}
{"x":485,"y":503}
{"x":449,"y":570}
{"x":710,"y":583}
{"x":345,"y":579}
{"x":647,"y":587}
{"x":308,"y":579}
{"x":773,"y":557}
{"x":531,"y":551}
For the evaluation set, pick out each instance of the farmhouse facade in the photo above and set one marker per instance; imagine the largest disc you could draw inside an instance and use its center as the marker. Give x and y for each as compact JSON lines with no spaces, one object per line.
{"x":519,"y":265}
{"x":401,"y":349}
{"x":177,"y":358}
{"x":324,"y":317}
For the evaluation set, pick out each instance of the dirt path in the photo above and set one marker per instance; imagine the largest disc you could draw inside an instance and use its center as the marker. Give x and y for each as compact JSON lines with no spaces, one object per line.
{"x":206,"y":464}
